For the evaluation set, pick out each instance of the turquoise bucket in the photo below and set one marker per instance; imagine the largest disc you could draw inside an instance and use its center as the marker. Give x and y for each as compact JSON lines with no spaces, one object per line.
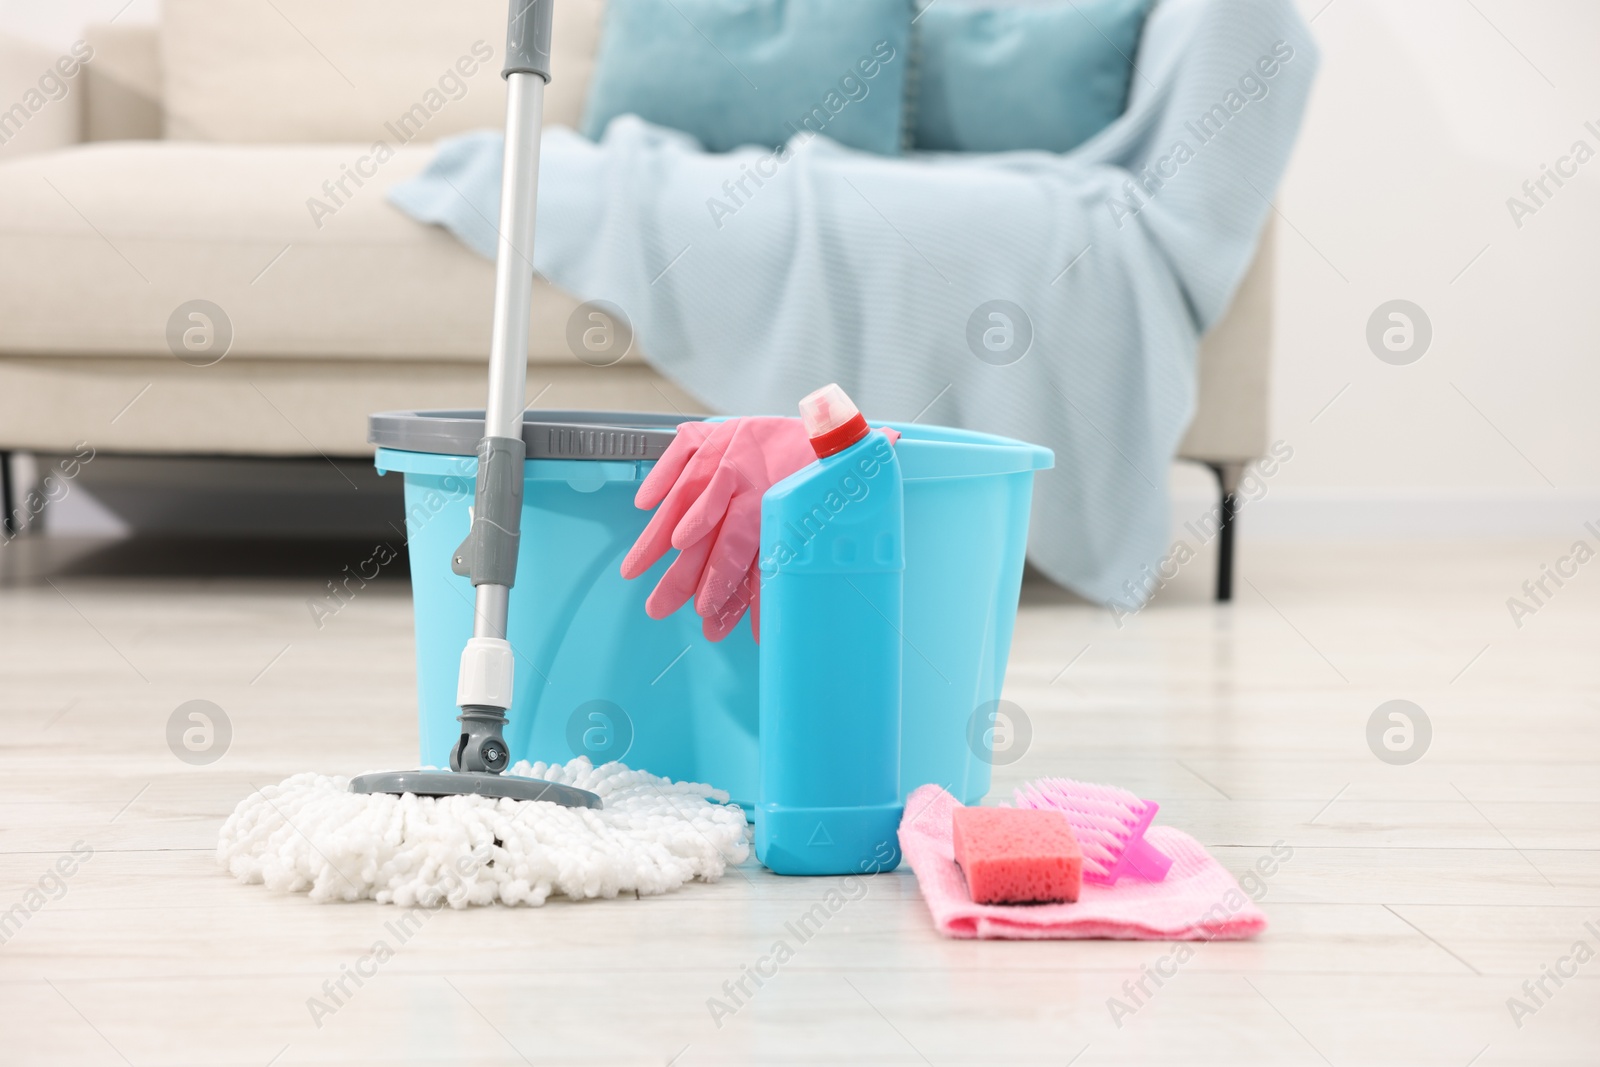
{"x":596,"y":676}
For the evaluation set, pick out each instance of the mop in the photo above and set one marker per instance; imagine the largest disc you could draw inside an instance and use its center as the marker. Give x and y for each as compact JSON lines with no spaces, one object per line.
{"x":311,"y":834}
{"x":475,"y":834}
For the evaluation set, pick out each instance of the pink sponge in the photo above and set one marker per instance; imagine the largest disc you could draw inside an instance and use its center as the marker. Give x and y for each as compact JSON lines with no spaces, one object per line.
{"x":1017,"y":855}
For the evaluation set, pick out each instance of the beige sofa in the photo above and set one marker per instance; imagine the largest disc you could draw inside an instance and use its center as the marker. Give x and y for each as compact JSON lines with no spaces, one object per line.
{"x":182,"y":164}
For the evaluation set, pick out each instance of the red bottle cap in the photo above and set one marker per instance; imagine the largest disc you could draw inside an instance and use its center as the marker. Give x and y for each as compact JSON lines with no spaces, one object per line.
{"x":832,"y":420}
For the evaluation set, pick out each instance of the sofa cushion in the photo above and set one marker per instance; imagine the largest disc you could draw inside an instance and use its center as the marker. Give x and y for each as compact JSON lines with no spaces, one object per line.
{"x":757,"y":72}
{"x":124,"y":98}
{"x":355,"y":70}
{"x":100,"y":244}
{"x":1046,"y":76}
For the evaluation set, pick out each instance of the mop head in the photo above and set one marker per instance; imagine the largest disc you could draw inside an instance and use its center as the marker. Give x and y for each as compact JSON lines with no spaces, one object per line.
{"x":310,"y":834}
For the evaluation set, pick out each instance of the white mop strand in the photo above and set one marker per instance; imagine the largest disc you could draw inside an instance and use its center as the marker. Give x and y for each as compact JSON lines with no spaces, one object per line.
{"x":309,"y":833}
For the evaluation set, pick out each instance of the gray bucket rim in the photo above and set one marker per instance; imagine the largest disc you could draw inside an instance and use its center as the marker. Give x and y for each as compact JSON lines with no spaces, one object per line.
{"x":566,"y":434}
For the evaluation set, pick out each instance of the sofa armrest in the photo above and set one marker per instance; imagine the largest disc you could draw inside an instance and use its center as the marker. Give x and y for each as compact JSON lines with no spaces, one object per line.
{"x":1231,"y":421}
{"x":124,"y":93}
{"x":40,"y":109}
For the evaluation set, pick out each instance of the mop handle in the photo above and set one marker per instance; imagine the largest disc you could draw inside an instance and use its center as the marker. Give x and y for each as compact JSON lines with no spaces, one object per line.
{"x":489,"y":554}
{"x":527,"y":69}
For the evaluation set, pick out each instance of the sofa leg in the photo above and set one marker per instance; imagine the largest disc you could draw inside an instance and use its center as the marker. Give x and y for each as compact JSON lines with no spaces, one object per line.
{"x":1228,"y":475}
{"x":8,"y":496}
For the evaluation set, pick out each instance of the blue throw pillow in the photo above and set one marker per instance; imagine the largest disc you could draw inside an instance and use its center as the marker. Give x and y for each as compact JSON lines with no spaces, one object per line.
{"x":1050,"y":76}
{"x":743,"y":72}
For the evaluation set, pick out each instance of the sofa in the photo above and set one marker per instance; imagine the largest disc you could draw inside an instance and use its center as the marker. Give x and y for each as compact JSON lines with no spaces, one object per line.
{"x":153,"y":166}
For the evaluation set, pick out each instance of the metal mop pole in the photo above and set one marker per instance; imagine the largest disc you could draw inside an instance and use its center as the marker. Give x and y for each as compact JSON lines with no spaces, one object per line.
{"x":489,"y":554}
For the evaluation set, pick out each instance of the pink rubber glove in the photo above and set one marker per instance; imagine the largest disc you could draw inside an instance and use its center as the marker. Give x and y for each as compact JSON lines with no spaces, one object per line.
{"x":708,"y":486}
{"x":746,"y":597}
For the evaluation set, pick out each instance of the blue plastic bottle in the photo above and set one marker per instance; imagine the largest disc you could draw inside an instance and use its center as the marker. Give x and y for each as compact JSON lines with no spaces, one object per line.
{"x":832,"y":596}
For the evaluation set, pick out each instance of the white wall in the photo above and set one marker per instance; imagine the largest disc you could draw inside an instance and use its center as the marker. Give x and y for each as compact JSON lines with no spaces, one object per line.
{"x":1427,"y":116}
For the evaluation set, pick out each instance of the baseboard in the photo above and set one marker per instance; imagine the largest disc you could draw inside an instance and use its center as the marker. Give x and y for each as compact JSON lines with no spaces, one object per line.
{"x":1285,"y":514}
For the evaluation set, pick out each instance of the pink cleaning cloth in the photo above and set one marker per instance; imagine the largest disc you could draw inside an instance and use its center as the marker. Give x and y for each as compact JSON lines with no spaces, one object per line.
{"x":1198,"y":901}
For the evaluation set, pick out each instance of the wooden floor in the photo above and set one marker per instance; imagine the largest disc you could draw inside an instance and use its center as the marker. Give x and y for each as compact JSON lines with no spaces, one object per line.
{"x":1416,"y":903}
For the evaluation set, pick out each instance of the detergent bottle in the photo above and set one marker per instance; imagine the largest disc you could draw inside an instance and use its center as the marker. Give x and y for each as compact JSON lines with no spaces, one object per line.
{"x":832,"y":599}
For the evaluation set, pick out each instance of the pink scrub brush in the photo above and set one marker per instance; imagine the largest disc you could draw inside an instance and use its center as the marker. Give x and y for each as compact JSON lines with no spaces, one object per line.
{"x":1109,"y":823}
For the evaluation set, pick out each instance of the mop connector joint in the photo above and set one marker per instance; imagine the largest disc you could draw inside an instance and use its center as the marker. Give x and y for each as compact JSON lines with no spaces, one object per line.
{"x":489,"y":554}
{"x":487,"y":672}
{"x":528,"y":38}
{"x":483,"y":692}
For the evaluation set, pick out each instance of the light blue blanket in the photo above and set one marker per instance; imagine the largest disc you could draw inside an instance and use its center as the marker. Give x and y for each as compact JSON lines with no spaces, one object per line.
{"x":835,"y":265}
